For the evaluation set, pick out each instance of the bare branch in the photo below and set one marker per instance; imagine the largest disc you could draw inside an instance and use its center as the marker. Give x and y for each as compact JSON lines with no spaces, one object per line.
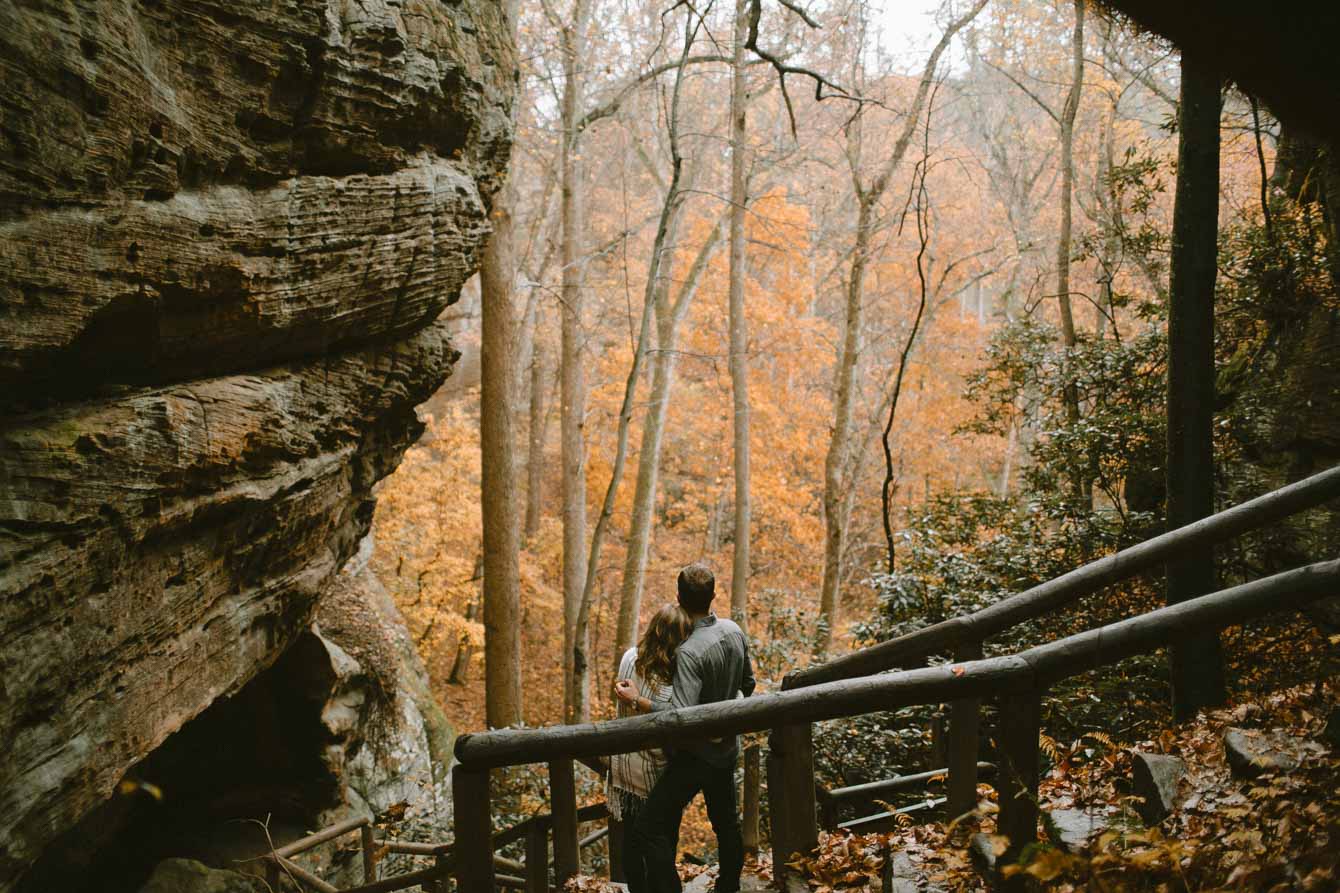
{"x":612,"y":106}
{"x":1029,"y":93}
{"x":783,"y":69}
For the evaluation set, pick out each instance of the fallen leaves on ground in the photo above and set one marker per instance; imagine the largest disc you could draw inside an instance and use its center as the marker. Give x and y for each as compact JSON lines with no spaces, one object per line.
{"x":1279,"y":832}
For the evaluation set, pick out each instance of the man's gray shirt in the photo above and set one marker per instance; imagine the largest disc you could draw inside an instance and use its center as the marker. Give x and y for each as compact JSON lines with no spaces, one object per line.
{"x":711,"y":665}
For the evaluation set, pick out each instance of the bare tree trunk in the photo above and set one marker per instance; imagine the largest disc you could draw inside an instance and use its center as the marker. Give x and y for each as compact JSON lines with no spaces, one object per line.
{"x":668,"y":318}
{"x":573,"y":412}
{"x":501,"y":541}
{"x":739,"y":337}
{"x":1197,"y":662}
{"x":836,"y":462}
{"x":663,"y":249}
{"x":537,"y":435}
{"x":839,"y":445}
{"x":1063,"y":243}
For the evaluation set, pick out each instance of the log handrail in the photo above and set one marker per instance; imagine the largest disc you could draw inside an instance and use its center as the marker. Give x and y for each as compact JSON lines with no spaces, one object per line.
{"x":857,"y":683}
{"x":989,"y":677}
{"x":1068,"y":588}
{"x":304,"y":844}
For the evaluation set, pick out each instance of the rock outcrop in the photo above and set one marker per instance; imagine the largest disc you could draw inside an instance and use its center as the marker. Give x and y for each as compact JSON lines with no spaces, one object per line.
{"x":226,"y":230}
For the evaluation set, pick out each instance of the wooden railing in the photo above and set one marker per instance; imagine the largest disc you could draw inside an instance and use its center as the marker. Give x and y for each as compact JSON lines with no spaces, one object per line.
{"x":857,"y":684}
{"x":437,"y":878}
{"x":831,"y":800}
{"x":1019,"y":680}
{"x":791,"y":761}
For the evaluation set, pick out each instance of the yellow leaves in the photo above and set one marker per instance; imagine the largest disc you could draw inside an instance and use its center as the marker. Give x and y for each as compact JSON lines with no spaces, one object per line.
{"x":842,"y":862}
{"x":1048,"y":865}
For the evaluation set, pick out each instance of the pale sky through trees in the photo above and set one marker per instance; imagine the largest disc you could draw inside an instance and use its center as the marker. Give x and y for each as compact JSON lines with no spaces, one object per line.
{"x":909,"y":29}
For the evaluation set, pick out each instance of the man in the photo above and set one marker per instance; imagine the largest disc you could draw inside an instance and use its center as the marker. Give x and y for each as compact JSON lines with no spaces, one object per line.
{"x":711,"y":665}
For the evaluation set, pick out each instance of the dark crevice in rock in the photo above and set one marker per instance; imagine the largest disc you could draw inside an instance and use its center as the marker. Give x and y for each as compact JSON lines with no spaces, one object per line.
{"x":257,"y":754}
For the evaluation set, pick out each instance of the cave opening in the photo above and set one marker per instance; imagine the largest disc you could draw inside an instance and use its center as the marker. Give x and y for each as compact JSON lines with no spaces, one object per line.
{"x":250,"y":765}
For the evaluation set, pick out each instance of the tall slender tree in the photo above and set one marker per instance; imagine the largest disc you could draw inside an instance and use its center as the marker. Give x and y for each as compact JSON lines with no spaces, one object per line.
{"x":1197,"y":661}
{"x":501,"y":537}
{"x":739,"y":334}
{"x":572,"y":370}
{"x":663,"y":248}
{"x":837,"y":462}
{"x":669,"y":314}
{"x":1064,"y":240}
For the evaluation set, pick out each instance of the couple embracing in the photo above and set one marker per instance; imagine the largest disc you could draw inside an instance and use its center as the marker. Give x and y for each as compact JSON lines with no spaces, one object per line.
{"x":687,"y":656}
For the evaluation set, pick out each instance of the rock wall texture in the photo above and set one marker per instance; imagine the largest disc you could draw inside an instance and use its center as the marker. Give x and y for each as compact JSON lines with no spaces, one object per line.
{"x":226,"y":230}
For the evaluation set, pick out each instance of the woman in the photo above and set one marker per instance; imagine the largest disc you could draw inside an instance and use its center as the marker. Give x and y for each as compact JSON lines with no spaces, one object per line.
{"x":651,"y":668}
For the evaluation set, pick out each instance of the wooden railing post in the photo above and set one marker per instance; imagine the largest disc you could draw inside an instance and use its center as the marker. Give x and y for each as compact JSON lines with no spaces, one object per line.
{"x":563,"y":807}
{"x":442,"y":868}
{"x":751,"y":797}
{"x":791,"y":793}
{"x":473,"y":819}
{"x":1017,"y":783}
{"x":939,"y":744}
{"x":537,"y":858}
{"x":964,"y":719}
{"x":369,"y":854}
{"x":617,"y":831}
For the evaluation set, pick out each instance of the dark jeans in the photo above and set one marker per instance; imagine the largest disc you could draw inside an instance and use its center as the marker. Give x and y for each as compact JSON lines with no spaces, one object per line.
{"x":634,"y":867}
{"x":655,"y":831}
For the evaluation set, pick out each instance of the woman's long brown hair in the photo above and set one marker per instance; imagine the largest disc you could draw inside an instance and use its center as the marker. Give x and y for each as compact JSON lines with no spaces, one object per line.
{"x":669,"y":627}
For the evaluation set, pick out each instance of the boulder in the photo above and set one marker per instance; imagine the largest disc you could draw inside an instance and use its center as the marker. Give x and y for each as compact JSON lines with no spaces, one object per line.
{"x":1074,"y":829}
{"x":985,"y":851}
{"x":1155,"y":777}
{"x":189,"y":876}
{"x":1252,"y":752}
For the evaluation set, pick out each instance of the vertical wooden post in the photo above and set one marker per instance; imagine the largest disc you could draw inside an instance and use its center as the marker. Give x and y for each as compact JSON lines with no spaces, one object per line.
{"x":964,"y":719}
{"x":617,"y":831}
{"x":791,"y":793}
{"x":443,"y":866}
{"x":563,"y":806}
{"x":939,"y":748}
{"x":537,"y":858}
{"x":473,"y":820}
{"x":272,"y":873}
{"x":369,"y":853}
{"x":751,"y":798}
{"x":1020,"y":724}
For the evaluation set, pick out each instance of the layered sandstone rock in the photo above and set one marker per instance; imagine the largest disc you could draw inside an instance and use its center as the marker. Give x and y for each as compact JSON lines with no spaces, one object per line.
{"x":226,"y":230}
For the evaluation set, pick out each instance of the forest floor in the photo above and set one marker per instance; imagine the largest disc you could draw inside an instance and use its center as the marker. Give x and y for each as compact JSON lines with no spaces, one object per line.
{"x":1279,"y":831}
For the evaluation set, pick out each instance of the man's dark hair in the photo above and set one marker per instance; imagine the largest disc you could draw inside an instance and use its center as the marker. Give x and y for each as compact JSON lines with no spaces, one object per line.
{"x":697,"y":586}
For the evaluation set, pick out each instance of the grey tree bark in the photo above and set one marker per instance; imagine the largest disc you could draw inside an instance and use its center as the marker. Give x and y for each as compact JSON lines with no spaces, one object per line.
{"x":1064,"y":239}
{"x":498,"y":503}
{"x":668,"y":317}
{"x":739,"y":336}
{"x":573,"y":401}
{"x":537,"y":435}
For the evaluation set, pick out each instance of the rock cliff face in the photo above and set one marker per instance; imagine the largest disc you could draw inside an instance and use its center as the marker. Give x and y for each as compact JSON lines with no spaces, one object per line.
{"x":226,"y":230}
